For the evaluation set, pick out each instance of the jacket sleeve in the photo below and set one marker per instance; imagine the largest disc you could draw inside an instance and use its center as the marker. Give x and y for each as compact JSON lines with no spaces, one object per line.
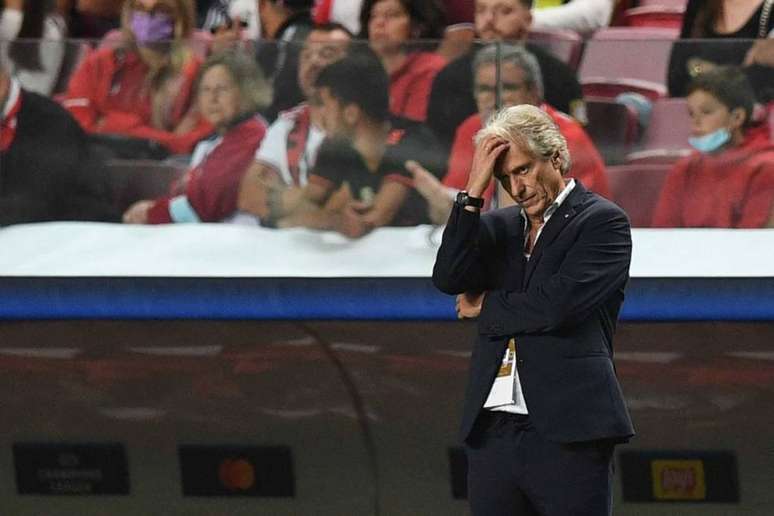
{"x":80,"y":98}
{"x":460,"y":265}
{"x":758,"y":205}
{"x":594,"y":267}
{"x":667,"y":213}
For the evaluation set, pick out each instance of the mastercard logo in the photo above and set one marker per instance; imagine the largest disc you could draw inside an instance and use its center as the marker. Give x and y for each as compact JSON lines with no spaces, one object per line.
{"x":237,"y":474}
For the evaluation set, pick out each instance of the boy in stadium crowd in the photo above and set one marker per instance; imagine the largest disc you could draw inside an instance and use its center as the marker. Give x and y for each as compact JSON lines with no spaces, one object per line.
{"x":522,"y":83}
{"x":728,"y":181}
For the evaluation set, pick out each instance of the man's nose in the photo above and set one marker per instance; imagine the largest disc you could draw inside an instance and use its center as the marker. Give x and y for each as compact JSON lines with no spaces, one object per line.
{"x":485,"y":18}
{"x":517,"y":185}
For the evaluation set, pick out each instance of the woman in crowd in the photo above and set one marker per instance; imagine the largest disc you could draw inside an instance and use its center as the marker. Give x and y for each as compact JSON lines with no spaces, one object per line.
{"x":230,"y":93}
{"x":390,"y":26}
{"x":143,"y":87}
{"x":35,"y":32}
{"x":728,"y":181}
{"x":731,"y":24}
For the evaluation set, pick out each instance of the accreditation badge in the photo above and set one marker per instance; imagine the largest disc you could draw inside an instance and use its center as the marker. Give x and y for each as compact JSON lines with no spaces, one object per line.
{"x":502,"y":388}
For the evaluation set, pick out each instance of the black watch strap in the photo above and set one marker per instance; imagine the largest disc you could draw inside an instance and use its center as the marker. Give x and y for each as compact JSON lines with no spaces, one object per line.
{"x":463,"y":199}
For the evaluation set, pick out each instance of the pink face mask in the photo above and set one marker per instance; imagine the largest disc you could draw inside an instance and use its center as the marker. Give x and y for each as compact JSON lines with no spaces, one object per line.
{"x":151,"y":28}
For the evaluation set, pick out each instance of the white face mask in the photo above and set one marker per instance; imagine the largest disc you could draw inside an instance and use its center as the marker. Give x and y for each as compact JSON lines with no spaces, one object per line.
{"x":10,"y":23}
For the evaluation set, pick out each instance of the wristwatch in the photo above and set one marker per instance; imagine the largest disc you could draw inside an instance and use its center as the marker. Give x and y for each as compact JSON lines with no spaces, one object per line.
{"x":463,"y":199}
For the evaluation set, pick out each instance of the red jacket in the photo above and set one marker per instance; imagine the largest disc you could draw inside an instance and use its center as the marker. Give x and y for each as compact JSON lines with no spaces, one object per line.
{"x":731,"y":189}
{"x":107,"y":94}
{"x":587,"y":164}
{"x":211,"y":187}
{"x":411,"y":83}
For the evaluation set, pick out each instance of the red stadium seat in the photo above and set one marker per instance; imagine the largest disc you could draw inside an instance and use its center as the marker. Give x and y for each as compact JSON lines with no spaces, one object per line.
{"x":616,"y":19}
{"x":654,"y":16}
{"x":636,"y":189}
{"x":612,"y":127}
{"x":567,"y":45}
{"x":661,"y":3}
{"x":669,"y":126}
{"x":610,"y":88}
{"x":620,"y":59}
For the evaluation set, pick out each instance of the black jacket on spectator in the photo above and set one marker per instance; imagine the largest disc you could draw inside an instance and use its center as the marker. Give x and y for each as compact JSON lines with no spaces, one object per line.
{"x":727,"y":49}
{"x":279,"y":60}
{"x":452,"y":100}
{"x":49,"y":172}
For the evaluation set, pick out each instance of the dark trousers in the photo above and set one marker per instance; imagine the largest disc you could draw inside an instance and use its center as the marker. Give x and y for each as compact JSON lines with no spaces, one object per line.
{"x":513,"y":471}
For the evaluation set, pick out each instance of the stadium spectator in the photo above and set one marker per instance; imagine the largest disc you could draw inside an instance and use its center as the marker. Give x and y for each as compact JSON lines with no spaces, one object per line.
{"x":143,"y":87}
{"x":289,"y":150}
{"x":732,"y":25}
{"x":231,"y":21}
{"x":284,"y":27}
{"x":47,"y":169}
{"x":390,"y":27}
{"x":728,"y":181}
{"x":581,"y":16}
{"x":359,"y":181}
{"x":451,"y":97}
{"x":230,"y":92}
{"x":35,"y":64}
{"x":522,"y":83}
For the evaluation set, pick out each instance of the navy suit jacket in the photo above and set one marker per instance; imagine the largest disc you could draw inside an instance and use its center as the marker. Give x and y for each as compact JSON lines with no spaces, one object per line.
{"x":561,"y":306}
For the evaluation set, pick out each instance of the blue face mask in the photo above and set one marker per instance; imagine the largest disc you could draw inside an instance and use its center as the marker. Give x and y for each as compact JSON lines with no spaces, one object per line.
{"x":710,"y":142}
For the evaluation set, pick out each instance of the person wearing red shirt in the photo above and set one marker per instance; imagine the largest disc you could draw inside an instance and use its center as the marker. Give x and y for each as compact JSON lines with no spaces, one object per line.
{"x":389,"y":25}
{"x":230,"y":93}
{"x":143,"y":87}
{"x":521,"y":84}
{"x":728,"y":181}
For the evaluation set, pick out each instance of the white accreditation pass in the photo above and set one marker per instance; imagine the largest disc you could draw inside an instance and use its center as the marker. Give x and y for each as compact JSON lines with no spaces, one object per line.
{"x":502,"y":388}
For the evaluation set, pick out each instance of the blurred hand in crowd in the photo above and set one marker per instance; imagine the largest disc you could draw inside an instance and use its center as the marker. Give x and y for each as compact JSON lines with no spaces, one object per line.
{"x":138,"y":212}
{"x":761,"y":53}
{"x":439,"y":201}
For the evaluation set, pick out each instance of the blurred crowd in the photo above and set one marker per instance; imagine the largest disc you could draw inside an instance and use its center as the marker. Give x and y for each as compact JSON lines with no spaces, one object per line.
{"x":348,"y":115}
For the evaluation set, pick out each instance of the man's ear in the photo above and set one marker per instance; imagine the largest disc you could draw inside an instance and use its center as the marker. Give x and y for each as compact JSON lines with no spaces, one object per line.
{"x":556,"y":161}
{"x":738,"y":117}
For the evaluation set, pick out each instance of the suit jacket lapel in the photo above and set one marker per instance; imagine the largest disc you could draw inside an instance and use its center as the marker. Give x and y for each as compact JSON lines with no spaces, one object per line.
{"x":514,"y":270}
{"x":556,"y":223}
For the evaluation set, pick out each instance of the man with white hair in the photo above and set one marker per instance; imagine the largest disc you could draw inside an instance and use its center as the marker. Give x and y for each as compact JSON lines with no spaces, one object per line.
{"x":545,"y":279}
{"x":520,"y":82}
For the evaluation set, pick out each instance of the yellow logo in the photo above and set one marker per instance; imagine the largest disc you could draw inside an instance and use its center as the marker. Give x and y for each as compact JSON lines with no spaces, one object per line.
{"x":678,"y":480}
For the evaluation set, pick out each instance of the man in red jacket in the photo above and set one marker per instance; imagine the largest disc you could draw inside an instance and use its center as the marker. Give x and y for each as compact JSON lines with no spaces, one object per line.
{"x":521,"y":84}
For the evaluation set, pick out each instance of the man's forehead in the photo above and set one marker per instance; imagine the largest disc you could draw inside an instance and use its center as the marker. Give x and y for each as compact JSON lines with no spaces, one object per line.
{"x":515,"y":157}
{"x":495,"y":3}
{"x":490,"y":68}
{"x":328,"y":36}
